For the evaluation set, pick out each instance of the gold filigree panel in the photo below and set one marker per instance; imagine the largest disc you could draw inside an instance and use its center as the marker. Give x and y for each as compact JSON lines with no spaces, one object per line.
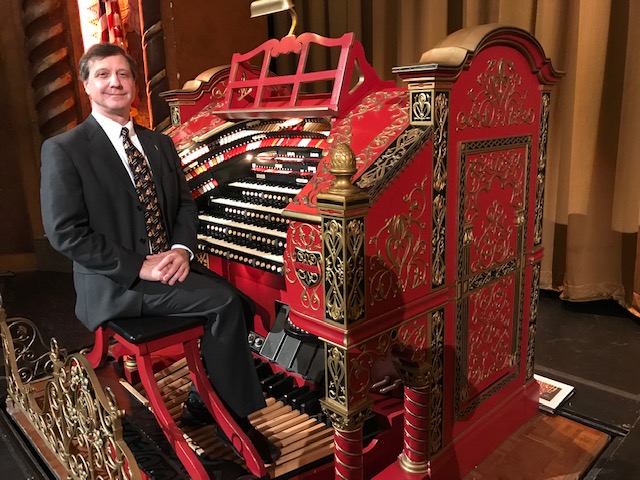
{"x":336,"y":389}
{"x":437,"y":380}
{"x":490,"y":331}
{"x":488,"y":337}
{"x":32,"y":356}
{"x":499,"y":100}
{"x":439,"y":190}
{"x":344,"y":270}
{"x":493,"y":193}
{"x":494,"y":225}
{"x":79,"y":421}
{"x":303,"y":264}
{"x":400,"y":260}
{"x":533,"y":317}
{"x":542,"y":164}
{"x":387,"y":166}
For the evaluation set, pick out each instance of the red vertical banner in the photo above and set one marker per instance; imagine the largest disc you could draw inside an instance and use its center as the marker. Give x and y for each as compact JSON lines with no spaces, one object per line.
{"x":111,"y":22}
{"x":101,"y":21}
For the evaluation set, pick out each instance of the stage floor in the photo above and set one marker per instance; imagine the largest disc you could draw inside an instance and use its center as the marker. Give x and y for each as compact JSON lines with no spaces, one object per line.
{"x":547,"y":447}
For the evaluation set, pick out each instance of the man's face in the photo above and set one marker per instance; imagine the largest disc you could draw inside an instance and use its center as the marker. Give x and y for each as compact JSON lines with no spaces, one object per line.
{"x":111,"y":87}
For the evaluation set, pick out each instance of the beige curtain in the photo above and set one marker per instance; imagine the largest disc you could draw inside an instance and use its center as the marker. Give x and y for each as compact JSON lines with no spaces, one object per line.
{"x":592,"y":198}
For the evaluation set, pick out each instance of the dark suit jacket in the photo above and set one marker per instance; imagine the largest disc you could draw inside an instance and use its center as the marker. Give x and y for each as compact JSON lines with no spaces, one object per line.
{"x":91,"y":214}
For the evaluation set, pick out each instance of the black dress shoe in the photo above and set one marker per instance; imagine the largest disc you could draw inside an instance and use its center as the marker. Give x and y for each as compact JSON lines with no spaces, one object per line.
{"x":194,"y":412}
{"x":268,"y":451}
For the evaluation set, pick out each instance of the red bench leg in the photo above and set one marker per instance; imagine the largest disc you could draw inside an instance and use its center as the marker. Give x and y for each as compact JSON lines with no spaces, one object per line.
{"x":186,"y":455}
{"x":100,"y":348}
{"x":224,"y":420}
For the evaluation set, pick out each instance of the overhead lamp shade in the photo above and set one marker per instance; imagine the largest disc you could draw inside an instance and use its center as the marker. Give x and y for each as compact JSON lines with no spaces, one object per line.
{"x":266,"y":7}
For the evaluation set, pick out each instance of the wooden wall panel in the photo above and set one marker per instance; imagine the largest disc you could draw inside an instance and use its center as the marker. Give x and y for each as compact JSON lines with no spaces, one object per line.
{"x":19,"y":204}
{"x":201,"y":34}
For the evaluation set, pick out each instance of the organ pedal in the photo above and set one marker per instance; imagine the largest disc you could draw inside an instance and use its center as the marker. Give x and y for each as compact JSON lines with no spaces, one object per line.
{"x":302,"y":438}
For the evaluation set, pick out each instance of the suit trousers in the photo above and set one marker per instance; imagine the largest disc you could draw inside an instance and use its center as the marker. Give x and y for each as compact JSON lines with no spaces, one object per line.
{"x":224,"y":347}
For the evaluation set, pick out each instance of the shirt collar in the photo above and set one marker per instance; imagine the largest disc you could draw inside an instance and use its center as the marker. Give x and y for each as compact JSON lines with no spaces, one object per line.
{"x":113,"y":128}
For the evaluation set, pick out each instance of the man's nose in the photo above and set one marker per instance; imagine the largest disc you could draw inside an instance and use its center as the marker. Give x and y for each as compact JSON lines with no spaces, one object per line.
{"x":114,"y":80}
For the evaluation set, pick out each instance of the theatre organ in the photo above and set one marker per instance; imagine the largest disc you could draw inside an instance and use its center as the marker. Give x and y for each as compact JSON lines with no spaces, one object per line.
{"x":377,"y":226}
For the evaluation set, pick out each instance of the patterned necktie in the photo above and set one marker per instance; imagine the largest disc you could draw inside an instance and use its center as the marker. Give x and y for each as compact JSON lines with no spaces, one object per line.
{"x":146,"y":190}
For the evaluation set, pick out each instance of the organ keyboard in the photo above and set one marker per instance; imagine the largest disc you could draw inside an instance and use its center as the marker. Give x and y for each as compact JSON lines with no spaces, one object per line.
{"x":390,"y":236}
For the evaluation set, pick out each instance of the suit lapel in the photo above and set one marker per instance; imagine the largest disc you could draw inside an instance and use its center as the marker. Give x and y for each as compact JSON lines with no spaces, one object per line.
{"x":154,"y":155}
{"x":107,"y":160}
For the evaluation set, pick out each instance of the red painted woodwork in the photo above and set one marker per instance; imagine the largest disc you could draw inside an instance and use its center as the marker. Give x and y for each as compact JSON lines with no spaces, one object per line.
{"x":452,"y":241}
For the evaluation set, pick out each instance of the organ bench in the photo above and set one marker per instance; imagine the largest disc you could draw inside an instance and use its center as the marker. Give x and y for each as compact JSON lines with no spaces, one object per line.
{"x":141,"y":337}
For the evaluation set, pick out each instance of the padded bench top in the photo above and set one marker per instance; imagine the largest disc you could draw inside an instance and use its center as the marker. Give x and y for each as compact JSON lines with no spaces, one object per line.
{"x":144,"y":329}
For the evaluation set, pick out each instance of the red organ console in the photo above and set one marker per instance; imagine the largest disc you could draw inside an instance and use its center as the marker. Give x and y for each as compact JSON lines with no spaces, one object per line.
{"x":390,"y":236}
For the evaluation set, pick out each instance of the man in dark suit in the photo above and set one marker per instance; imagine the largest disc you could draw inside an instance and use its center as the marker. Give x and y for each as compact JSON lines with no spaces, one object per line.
{"x":93,"y":211}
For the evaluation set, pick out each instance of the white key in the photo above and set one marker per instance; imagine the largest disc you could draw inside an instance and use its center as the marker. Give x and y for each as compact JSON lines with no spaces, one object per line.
{"x":238,"y":248}
{"x":244,"y":226}
{"x":247,"y":206}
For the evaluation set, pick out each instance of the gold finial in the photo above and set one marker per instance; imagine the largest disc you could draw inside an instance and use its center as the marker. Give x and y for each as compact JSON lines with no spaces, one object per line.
{"x":343,"y":166}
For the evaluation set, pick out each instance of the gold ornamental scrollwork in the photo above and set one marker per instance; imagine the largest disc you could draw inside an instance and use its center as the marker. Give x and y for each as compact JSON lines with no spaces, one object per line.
{"x":506,"y":166}
{"x":33,"y":358}
{"x":305,"y":257}
{"x":533,"y":318}
{"x":343,"y":209}
{"x":499,"y":101}
{"x":334,"y":270}
{"x":542,"y":164}
{"x":344,"y":270}
{"x":440,"y":143}
{"x":203,"y":259}
{"x":219,"y":92}
{"x":438,"y":244}
{"x":490,"y":331}
{"x":309,"y":279}
{"x":395,"y":104}
{"x":355,"y":265}
{"x":399,"y":263}
{"x":336,"y":375}
{"x":174,"y":112}
{"x":243,"y":92}
{"x":392,"y":160}
{"x":78,"y":420}
{"x":492,"y":233}
{"x":343,"y":421}
{"x":439,"y":186}
{"x":437,"y":380}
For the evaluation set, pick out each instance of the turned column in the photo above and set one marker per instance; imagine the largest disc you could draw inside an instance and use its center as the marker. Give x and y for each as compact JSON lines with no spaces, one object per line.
{"x":415,"y":453}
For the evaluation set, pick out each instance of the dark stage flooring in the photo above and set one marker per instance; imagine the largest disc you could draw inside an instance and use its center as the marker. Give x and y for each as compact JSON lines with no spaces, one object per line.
{"x":593,"y":346}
